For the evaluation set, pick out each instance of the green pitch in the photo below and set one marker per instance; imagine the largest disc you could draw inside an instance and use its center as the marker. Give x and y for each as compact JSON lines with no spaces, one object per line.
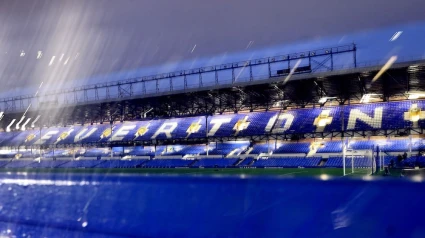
{"x":197,"y":171}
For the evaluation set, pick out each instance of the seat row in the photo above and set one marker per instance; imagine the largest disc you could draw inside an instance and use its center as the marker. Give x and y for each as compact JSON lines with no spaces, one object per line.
{"x":225,"y":149}
{"x":278,"y":162}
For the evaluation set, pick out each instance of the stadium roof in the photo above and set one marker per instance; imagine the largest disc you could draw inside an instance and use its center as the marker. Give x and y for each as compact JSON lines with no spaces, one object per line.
{"x":343,"y":86}
{"x":98,"y":37}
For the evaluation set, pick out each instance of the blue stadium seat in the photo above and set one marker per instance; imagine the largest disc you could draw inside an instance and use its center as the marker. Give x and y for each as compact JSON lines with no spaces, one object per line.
{"x":261,"y":148}
{"x":8,"y":155}
{"x":47,"y":164}
{"x":167,"y":163}
{"x":398,"y":145}
{"x":57,"y":153}
{"x":293,"y":162}
{"x":291,"y":148}
{"x":410,"y":162}
{"x":82,"y":163}
{"x":361,"y":145}
{"x":246,"y":162}
{"x":225,"y":148}
{"x":331,"y":147}
{"x":185,"y":150}
{"x":3,"y":163}
{"x":19,"y":164}
{"x":97,"y":152}
{"x":212,"y":163}
{"x":359,"y":162}
{"x":421,"y":161}
{"x":142,"y":151}
{"x":121,"y":163}
{"x":395,"y":146}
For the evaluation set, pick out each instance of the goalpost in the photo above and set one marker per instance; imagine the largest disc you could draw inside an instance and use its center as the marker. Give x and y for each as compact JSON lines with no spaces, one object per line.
{"x":359,"y":162}
{"x":381,"y":160}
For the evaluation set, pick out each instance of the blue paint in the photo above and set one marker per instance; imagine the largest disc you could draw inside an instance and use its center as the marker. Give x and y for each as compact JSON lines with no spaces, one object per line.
{"x":209,"y":206}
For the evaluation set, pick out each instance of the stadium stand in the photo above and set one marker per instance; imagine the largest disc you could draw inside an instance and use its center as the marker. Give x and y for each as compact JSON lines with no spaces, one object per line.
{"x":97,"y":152}
{"x":420,"y":161}
{"x":234,"y":148}
{"x":185,"y":150}
{"x":141,"y":151}
{"x":238,"y":128}
{"x":330,"y":147}
{"x":8,"y":155}
{"x":293,"y":162}
{"x":246,"y":162}
{"x":288,"y":148}
{"x":58,"y":153}
{"x":137,"y":163}
{"x":3,"y":163}
{"x":19,"y":164}
{"x":47,"y":164}
{"x":167,"y":163}
{"x":81,"y":164}
{"x":390,"y":149}
{"x":382,"y":116}
{"x":215,"y":163}
{"x":359,"y":162}
{"x":261,"y":148}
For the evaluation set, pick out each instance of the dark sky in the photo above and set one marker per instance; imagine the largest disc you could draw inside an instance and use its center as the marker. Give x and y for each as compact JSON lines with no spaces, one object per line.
{"x":97,"y":37}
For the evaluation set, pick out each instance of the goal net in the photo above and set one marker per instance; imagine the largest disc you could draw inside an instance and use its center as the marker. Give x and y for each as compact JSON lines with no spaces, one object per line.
{"x":359,"y":162}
